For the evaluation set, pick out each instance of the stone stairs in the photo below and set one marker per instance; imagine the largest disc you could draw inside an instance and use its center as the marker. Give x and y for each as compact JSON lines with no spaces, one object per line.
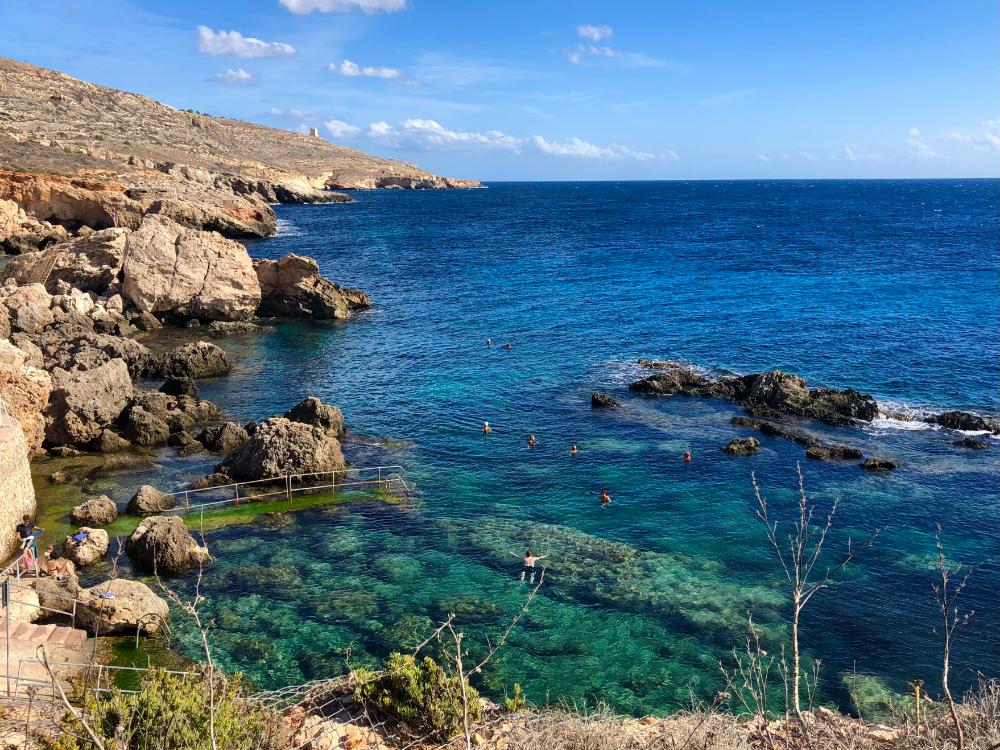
{"x":54,"y":635}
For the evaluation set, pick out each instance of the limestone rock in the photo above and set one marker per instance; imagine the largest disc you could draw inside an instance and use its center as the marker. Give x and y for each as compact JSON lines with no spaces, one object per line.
{"x":742,"y":446}
{"x":314,"y":412}
{"x":148,"y":500}
{"x":83,"y":404}
{"x":833,"y":452}
{"x":171,"y":268}
{"x":223,"y":438}
{"x":145,"y":428}
{"x":278,"y":447}
{"x":182,"y":386}
{"x":669,"y":382}
{"x":58,"y":594}
{"x":121,"y":606}
{"x":200,"y":359}
{"x":89,"y":264}
{"x":88,"y":551}
{"x":25,"y":390}
{"x":108,"y":441}
{"x":294,"y":287}
{"x":879,"y":464}
{"x":163,"y":544}
{"x":600,"y":400}
{"x":185,"y":443}
{"x":95,"y":511}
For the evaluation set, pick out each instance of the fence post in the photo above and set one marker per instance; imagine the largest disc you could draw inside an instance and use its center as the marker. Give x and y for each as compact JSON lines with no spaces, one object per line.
{"x":288,"y":486}
{"x":236,"y":501}
{"x":187,"y":502}
{"x":380,"y":477}
{"x":6,"y":619}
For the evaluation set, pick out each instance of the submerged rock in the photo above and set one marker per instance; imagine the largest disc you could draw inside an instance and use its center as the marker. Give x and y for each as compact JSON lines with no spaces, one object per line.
{"x":600,"y":400}
{"x":97,"y":511}
{"x":833,"y":452}
{"x":162,"y":544}
{"x":742,"y":447}
{"x":972,"y":443}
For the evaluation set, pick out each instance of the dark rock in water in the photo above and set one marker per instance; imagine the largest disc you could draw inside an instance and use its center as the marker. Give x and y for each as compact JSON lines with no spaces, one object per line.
{"x":742,"y":446}
{"x":745,"y":422}
{"x":660,"y":364}
{"x":879,"y":464}
{"x":163,"y":544}
{"x":180,"y":387}
{"x":58,"y":477}
{"x":973,"y":443}
{"x":212,"y":480}
{"x":833,"y":452}
{"x":223,"y":438}
{"x":63,"y":451}
{"x":193,"y":323}
{"x":146,"y":321}
{"x":294,"y":287}
{"x":274,"y":520}
{"x":185,"y":443}
{"x":671,"y":382}
{"x":143,"y":427}
{"x":963,"y":420}
{"x":280,"y":446}
{"x":314,"y":412}
{"x":201,"y":359}
{"x":149,"y":500}
{"x":97,"y":511}
{"x":226,"y":327}
{"x":776,"y":430}
{"x":600,"y":400}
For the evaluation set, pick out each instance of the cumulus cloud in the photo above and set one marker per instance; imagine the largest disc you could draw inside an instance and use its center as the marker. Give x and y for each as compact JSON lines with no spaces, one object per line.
{"x":853,"y":153}
{"x":234,"y":43}
{"x":917,"y":145}
{"x":987,"y":139}
{"x":594,"y":33}
{"x":234,"y":76}
{"x":579,"y":148}
{"x":353,"y":70}
{"x":341,"y":129}
{"x":302,"y":7}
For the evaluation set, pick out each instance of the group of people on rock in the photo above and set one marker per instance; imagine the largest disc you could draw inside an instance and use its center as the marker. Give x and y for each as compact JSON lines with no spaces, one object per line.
{"x":54,"y":564}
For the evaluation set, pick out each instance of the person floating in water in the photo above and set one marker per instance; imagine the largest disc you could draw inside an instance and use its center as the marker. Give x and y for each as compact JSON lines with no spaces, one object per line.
{"x":531,"y":440}
{"x":508,"y":346}
{"x":605,"y":498}
{"x":687,"y":456}
{"x":489,"y":342}
{"x":572,"y":449}
{"x":528,"y":564}
{"x":486,"y":428}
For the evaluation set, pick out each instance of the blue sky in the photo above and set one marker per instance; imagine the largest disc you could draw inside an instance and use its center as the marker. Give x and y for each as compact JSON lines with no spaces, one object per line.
{"x":564,"y":90}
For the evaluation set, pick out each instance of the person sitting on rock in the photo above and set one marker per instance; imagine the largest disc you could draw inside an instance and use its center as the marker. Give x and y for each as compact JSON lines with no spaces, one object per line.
{"x":55,"y":565}
{"x":528,"y":564}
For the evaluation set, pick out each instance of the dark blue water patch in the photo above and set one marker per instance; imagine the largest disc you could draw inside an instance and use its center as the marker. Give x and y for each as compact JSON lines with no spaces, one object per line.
{"x":890,"y":287}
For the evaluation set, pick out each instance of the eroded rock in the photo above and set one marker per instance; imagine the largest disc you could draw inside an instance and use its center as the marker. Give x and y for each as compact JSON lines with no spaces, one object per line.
{"x":148,"y":500}
{"x":96,"y":511}
{"x":162,"y":544}
{"x":121,"y":606}
{"x":294,"y":287}
{"x":280,"y":446}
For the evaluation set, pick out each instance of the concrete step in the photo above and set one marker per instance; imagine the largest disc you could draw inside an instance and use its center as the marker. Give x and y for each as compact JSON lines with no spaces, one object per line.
{"x":22,"y":629}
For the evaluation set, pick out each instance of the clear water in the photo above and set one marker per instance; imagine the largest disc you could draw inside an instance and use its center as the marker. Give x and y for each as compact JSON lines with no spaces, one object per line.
{"x":887,"y":287}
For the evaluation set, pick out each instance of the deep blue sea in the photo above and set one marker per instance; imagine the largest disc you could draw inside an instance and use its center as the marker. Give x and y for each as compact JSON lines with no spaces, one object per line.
{"x":889,"y":287}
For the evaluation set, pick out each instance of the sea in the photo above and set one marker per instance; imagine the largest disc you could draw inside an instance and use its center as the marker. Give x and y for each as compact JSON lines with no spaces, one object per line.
{"x":888,"y":287}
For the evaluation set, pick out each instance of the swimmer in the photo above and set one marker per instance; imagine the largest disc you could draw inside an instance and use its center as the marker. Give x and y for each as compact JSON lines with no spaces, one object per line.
{"x":687,"y":456}
{"x":572,"y":449}
{"x":486,"y":428}
{"x":489,"y":342}
{"x":531,"y":440}
{"x":605,"y":498}
{"x":508,"y":346}
{"x":528,"y":564}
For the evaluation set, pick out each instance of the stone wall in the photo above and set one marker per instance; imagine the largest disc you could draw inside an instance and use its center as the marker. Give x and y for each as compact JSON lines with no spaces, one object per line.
{"x":17,"y":495}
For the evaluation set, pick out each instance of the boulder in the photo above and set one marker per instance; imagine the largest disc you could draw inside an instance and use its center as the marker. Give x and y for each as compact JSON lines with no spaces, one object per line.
{"x":602,"y":401}
{"x":879,"y":464}
{"x":212,"y":480}
{"x":742,"y":446}
{"x":25,"y":390}
{"x":188,"y":272}
{"x":200,"y":359}
{"x":121,"y":606}
{"x":145,"y":428}
{"x":294,"y":287}
{"x":185,"y":443}
{"x":95,"y":511}
{"x":833,"y":452}
{"x":148,"y":500}
{"x":88,"y":551}
{"x":54,"y":593}
{"x":972,"y":443}
{"x":72,"y":344}
{"x":223,"y":438}
{"x":108,"y":442}
{"x":670,"y":382}
{"x":152,"y":416}
{"x":182,"y":386}
{"x":660,"y":364}
{"x":83,"y":403}
{"x":778,"y":390}
{"x":89,"y":264}
{"x":963,"y":420}
{"x":278,"y":447}
{"x":163,"y":544}
{"x":314,"y":412}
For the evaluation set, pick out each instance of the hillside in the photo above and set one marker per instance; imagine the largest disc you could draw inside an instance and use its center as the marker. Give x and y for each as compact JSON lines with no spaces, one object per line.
{"x":50,"y":121}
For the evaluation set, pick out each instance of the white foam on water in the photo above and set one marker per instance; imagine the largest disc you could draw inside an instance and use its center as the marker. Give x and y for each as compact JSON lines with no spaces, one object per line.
{"x":888,"y":423}
{"x":287,"y":229}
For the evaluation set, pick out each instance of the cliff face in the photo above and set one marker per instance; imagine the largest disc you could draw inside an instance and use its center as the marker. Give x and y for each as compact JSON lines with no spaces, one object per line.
{"x":16,"y":490}
{"x":52,"y":122}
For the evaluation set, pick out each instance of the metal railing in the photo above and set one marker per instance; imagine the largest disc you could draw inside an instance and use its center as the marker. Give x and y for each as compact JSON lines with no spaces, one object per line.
{"x":390,"y":478}
{"x":105,"y":682}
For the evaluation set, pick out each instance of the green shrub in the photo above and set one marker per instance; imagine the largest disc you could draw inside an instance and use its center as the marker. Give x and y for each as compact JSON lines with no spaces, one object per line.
{"x":875,"y":701}
{"x":516,"y":701}
{"x":171,"y":712}
{"x":419,"y":694}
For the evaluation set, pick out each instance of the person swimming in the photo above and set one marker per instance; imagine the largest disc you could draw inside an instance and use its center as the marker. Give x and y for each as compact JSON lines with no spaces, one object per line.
{"x":489,"y":342}
{"x":508,"y":346}
{"x":528,"y":564}
{"x":531,"y":440}
{"x":572,"y":449}
{"x":605,"y":498}
{"x":486,"y":428}
{"x":687,"y":456}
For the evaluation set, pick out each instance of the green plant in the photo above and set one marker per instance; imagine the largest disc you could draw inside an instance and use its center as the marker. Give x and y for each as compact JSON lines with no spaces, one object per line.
{"x":172,"y":712}
{"x":418,"y":693}
{"x":515,"y":702}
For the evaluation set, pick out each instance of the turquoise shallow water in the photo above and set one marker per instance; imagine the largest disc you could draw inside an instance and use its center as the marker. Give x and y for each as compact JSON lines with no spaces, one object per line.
{"x":888,"y":287}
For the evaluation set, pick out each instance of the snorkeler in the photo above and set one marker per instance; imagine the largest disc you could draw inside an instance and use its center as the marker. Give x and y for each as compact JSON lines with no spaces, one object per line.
{"x":528,"y":564}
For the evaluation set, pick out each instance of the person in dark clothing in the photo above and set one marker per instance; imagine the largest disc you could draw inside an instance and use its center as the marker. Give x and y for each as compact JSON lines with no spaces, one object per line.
{"x":27,"y":530}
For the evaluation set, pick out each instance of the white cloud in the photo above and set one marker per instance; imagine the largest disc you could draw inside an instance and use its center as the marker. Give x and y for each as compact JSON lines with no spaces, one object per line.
{"x":594,"y":33}
{"x":353,"y":70}
{"x":341,"y":129}
{"x":579,"y":54}
{"x":986,"y":140}
{"x":853,"y":153}
{"x":763,"y":157}
{"x":302,"y":7}
{"x":234,"y":43}
{"x":579,"y":148}
{"x":918,"y":147}
{"x":299,"y":114}
{"x":807,"y":156}
{"x":729,"y":96}
{"x":234,"y":76}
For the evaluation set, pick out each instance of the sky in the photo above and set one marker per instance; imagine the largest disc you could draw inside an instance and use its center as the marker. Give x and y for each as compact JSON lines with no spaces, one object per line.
{"x":560,"y":90}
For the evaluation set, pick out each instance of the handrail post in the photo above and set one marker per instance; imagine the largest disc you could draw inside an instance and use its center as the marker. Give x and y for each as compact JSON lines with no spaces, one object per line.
{"x":288,"y":486}
{"x":237,"y":491}
{"x":187,"y":502}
